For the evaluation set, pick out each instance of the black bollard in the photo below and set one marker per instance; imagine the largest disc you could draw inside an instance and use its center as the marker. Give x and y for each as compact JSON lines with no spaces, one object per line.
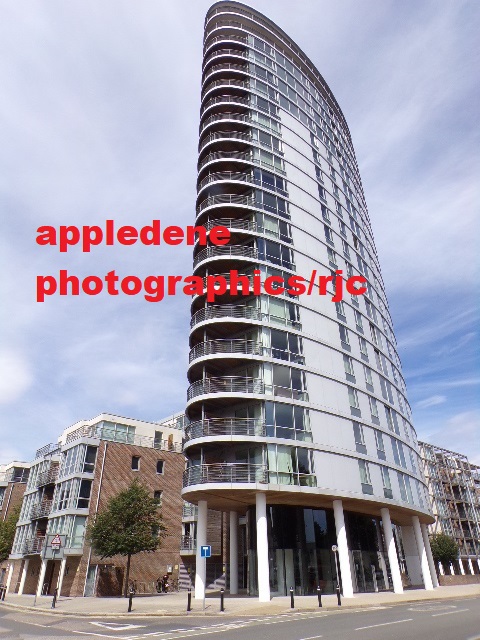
{"x":54,"y":601}
{"x":339,"y":600}
{"x":189,"y":600}
{"x":222,"y":594}
{"x":130,"y":600}
{"x":319,"y":594}
{"x":292,"y":601}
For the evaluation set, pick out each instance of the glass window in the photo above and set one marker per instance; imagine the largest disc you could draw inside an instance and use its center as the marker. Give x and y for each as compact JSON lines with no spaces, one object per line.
{"x":373,"y":407}
{"x":160,"y":465}
{"x":358,"y":433}
{"x":353,"y":398}
{"x":348,"y":365}
{"x":135,"y":463}
{"x":364,"y":472}
{"x":368,"y":375}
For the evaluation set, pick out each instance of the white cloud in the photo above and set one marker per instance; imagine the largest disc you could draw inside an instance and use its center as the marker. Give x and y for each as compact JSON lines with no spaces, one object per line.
{"x":432,"y":401}
{"x":15,"y":377}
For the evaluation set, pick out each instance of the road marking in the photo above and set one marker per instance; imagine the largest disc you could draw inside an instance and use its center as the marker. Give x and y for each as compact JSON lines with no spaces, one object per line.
{"x":117,"y":626}
{"x":384,"y":624}
{"x":311,"y":638}
{"x":447,"y":613}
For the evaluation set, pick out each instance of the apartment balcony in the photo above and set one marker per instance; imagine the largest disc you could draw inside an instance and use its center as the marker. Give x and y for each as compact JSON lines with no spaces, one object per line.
{"x":229,"y":67}
{"x":41,"y":510}
{"x":33,"y":546}
{"x":237,"y":53}
{"x":48,"y":449}
{"x":226,"y":200}
{"x":225,"y":472}
{"x":225,"y":427}
{"x":188,"y":545}
{"x":47,"y":477}
{"x":189,"y":511}
{"x":235,"y":311}
{"x":226,"y":384}
{"x":226,"y":252}
{"x":232,"y":37}
{"x":243,"y":85}
{"x":236,"y":346}
{"x":244,"y":137}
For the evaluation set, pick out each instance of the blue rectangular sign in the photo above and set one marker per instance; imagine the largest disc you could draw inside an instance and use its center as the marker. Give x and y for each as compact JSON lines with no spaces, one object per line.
{"x":205,"y":551}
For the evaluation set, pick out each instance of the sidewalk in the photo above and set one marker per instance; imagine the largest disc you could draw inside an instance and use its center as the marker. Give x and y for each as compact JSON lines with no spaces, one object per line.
{"x":175,"y":604}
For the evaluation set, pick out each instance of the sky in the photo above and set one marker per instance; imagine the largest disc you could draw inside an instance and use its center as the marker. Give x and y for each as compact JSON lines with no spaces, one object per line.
{"x":99,"y":111}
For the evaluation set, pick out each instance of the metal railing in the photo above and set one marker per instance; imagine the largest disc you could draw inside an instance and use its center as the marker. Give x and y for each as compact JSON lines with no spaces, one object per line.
{"x":41,"y":510}
{"x":226,"y":384}
{"x":216,"y":136}
{"x":245,"y":156}
{"x":188,"y":543}
{"x":226,"y":52}
{"x":225,"y":472}
{"x":230,"y":36}
{"x":222,"y":99}
{"x":47,"y":477}
{"x":230,"y":251}
{"x":225,"y":66}
{"x":226,"y":311}
{"x":48,"y":449}
{"x":245,"y":201}
{"x":189,"y":511}
{"x":33,"y":545}
{"x":225,"y":427}
{"x":212,"y":347}
{"x":240,"y":224}
{"x":222,"y":82}
{"x":105,"y":433}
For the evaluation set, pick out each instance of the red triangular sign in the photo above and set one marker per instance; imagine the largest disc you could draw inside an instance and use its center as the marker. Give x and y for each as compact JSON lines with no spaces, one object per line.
{"x":56,"y":541}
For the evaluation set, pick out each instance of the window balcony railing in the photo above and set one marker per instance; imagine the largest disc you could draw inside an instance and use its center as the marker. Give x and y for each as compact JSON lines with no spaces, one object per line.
{"x":189,"y":511}
{"x":33,"y":545}
{"x":188,"y":544}
{"x":243,"y":156}
{"x":225,"y":472}
{"x":238,"y":53}
{"x":212,"y":347}
{"x":41,"y":510}
{"x":240,"y":311}
{"x":230,"y":176}
{"x":240,"y":224}
{"x":104,"y":433}
{"x":244,"y":201}
{"x":225,"y":427}
{"x":217,"y":136}
{"x":234,"y":384}
{"x":222,"y":100}
{"x":288,"y":477}
{"x":227,"y":280}
{"x":48,"y":449}
{"x":226,"y":384}
{"x":230,"y":251}
{"x":224,"y":82}
{"x":233,"y":37}
{"x":225,"y":66}
{"x":47,"y":477}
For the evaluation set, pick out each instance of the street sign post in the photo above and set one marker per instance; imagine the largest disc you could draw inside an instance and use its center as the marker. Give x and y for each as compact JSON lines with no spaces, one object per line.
{"x":53,"y":549}
{"x":205,"y":552}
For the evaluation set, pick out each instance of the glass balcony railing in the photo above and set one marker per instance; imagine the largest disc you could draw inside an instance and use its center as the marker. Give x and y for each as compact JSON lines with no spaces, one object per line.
{"x":225,"y":426}
{"x":225,"y":472}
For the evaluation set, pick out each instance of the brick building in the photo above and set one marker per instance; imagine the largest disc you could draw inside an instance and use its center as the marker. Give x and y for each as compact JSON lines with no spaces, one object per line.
{"x":13,"y":479}
{"x":73,"y":479}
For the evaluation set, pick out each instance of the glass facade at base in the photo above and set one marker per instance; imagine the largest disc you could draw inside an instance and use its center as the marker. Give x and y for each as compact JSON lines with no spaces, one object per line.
{"x":300,"y":544}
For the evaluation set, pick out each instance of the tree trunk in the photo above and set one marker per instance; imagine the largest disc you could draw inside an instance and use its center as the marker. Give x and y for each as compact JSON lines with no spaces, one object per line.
{"x":127,"y":575}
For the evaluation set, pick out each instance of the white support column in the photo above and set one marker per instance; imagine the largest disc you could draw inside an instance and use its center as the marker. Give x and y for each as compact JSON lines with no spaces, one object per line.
{"x":262,"y":548}
{"x":470,"y":566}
{"x":342,"y":545}
{"x":201,"y":563}
{"x":41,"y":577}
{"x":233,"y":553}
{"x":61,"y":574}
{"x":21,"y":587}
{"x":392,"y":551}
{"x":460,"y":564}
{"x":440,"y":568}
{"x":9,"y":578}
{"x":478,"y":562}
{"x":452,"y":570}
{"x":422,"y":554}
{"x":431,"y":562}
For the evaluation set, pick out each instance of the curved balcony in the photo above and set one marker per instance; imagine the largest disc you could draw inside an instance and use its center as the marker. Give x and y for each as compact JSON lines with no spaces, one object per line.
{"x":225,"y":82}
{"x":225,"y":66}
{"x":231,"y":473}
{"x":47,"y":477}
{"x":240,"y":311}
{"x":235,"y":224}
{"x":233,"y":37}
{"x":220,"y":117}
{"x":226,"y":384}
{"x":225,"y":427}
{"x":235,"y":346}
{"x":228,"y":156}
{"x":229,"y":251}
{"x":216,"y":136}
{"x":238,"y":53}
{"x":226,"y":199}
{"x":223,"y":100}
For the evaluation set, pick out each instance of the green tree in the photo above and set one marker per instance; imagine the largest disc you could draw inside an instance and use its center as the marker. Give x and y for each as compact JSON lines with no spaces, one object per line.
{"x":130,"y":523}
{"x":7,"y":533}
{"x":444,"y":548}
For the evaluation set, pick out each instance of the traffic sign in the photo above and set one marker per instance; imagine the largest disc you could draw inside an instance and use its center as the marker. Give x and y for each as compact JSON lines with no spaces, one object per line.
{"x":56,"y":542}
{"x":205,"y":551}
